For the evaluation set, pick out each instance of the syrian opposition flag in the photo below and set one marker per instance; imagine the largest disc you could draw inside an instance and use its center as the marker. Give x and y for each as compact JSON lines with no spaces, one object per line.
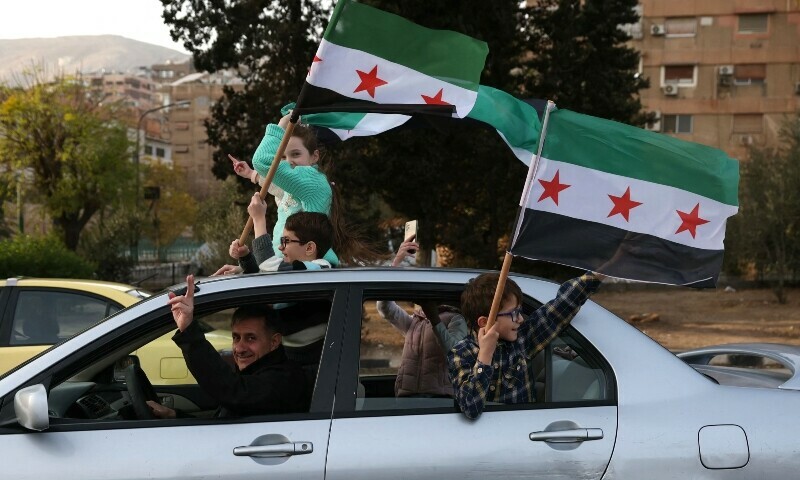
{"x":371,"y":61}
{"x":627,"y":203}
{"x":516,"y":121}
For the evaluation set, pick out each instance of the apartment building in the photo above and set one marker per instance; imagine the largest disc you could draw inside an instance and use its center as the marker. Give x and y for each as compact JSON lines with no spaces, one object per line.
{"x":186,"y":130}
{"x":724,"y":73}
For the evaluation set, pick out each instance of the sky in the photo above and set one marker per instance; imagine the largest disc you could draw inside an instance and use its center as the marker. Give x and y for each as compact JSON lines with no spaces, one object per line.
{"x":137,"y":19}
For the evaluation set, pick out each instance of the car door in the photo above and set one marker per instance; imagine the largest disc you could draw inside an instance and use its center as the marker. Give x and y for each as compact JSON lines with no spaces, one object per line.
{"x":287,"y":446}
{"x":374,"y":435}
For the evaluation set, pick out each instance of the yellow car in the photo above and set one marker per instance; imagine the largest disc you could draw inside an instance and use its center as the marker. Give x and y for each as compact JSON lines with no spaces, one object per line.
{"x":38,"y":312}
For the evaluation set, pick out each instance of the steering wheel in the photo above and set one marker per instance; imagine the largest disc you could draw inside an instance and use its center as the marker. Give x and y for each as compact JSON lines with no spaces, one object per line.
{"x":140,"y":390}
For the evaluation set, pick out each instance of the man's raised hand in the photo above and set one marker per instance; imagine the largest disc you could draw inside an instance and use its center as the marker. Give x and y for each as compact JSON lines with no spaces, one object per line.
{"x":182,"y":306}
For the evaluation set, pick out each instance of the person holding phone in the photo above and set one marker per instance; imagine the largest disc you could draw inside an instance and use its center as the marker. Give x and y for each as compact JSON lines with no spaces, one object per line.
{"x":429,"y":334}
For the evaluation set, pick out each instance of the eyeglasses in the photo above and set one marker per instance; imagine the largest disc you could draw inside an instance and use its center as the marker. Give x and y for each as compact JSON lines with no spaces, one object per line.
{"x":515,"y":315}
{"x":286,"y":240}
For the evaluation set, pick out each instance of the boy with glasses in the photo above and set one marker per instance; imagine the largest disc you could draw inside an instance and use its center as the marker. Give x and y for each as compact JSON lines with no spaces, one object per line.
{"x":306,"y":238}
{"x":492,"y":365}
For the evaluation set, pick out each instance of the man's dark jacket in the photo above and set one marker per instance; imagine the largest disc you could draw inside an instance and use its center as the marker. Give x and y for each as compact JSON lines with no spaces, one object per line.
{"x":271,"y":384}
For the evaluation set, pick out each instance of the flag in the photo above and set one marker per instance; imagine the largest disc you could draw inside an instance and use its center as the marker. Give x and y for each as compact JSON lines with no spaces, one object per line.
{"x":627,"y":203}
{"x":373,"y":61}
{"x":516,"y":121}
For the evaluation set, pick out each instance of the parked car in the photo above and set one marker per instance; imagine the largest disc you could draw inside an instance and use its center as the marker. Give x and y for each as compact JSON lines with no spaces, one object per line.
{"x":767,"y":365}
{"x":36,"y":313}
{"x":612,"y":403}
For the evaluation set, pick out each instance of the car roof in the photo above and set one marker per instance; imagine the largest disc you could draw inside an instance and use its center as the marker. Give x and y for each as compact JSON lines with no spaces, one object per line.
{"x":121,"y":293}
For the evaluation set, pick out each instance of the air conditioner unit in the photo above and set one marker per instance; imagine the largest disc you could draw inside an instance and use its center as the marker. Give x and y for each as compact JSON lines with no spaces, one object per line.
{"x":670,"y":90}
{"x":746,"y":140}
{"x":725,"y":70}
{"x":657,"y":29}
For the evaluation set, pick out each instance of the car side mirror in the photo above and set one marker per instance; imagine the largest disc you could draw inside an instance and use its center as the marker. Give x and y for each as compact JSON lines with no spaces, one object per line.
{"x":30,"y":406}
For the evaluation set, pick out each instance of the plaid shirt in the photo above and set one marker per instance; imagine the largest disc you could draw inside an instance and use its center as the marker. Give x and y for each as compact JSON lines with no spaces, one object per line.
{"x":508,"y":379}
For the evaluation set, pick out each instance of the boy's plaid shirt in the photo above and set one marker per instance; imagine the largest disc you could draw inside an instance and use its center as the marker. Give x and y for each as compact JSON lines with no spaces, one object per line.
{"x":508,"y":379}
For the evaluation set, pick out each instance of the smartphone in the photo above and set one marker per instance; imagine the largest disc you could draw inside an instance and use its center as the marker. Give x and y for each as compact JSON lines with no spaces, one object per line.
{"x":411,"y":233}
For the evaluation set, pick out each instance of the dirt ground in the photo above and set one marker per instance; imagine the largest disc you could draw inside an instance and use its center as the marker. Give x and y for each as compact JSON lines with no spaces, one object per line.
{"x":677,"y":318}
{"x":688,"y":319}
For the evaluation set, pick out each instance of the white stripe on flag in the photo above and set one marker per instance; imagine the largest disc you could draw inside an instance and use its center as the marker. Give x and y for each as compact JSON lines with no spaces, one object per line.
{"x":587,"y":198}
{"x":337,"y":71}
{"x":372,"y":124}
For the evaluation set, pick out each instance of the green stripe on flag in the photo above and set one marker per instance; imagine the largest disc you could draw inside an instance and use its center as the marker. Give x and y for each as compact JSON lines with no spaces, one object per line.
{"x":629,"y":151}
{"x":338,"y":120}
{"x":517,"y":121}
{"x":446,"y":55}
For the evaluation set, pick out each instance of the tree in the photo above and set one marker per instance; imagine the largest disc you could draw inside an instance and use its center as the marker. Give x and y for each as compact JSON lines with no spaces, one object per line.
{"x":171,"y":208}
{"x":70,"y":141}
{"x":580,"y":59}
{"x":768,"y":225}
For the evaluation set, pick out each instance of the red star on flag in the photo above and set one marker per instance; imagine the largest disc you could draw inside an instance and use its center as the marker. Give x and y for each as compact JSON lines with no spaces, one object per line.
{"x":623,"y":205}
{"x":369,"y":81}
{"x":690,"y":221}
{"x":436,"y":99}
{"x":316,"y":59}
{"x":552,"y":188}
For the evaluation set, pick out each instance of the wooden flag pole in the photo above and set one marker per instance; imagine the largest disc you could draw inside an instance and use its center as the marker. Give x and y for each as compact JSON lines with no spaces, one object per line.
{"x":498,"y":293}
{"x":270,"y":174}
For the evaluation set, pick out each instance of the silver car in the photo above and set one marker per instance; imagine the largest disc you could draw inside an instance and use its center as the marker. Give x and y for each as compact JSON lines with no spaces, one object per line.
{"x":611,"y":403}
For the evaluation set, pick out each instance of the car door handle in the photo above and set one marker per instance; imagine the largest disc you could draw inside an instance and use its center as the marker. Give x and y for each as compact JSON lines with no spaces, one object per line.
{"x":567,"y":436}
{"x":277,"y":450}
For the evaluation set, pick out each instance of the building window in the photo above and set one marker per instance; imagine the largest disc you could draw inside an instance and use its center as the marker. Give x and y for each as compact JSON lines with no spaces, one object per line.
{"x":677,"y":123}
{"x":160,"y":152}
{"x":753,"y":23}
{"x":681,"y":27}
{"x":181,"y":126}
{"x":750,"y":74}
{"x":680,"y":74}
{"x":182,"y":149}
{"x":748,"y":123}
{"x":148,"y":150}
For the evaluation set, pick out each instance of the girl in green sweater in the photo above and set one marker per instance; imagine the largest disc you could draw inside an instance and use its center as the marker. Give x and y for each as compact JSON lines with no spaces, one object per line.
{"x":301,"y":185}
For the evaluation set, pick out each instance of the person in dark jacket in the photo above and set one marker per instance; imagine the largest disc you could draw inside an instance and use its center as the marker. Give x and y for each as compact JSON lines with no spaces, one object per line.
{"x":264,"y":381}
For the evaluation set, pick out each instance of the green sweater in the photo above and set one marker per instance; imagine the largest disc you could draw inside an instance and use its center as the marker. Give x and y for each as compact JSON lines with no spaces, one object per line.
{"x":300,"y":189}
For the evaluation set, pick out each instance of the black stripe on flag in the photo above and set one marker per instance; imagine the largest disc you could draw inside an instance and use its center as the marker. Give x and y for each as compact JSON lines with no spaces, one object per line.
{"x":314,"y":99}
{"x":614,"y":251}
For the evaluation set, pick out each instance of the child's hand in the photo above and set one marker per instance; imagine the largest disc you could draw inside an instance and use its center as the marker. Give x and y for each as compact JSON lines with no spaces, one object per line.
{"x":284,"y":121}
{"x":487,"y":343}
{"x":228,"y":270}
{"x":241,"y":168}
{"x":237,"y":250}
{"x":257,"y":207}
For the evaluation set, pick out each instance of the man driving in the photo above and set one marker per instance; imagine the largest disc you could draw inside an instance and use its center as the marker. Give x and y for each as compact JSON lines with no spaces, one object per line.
{"x":264,"y":381}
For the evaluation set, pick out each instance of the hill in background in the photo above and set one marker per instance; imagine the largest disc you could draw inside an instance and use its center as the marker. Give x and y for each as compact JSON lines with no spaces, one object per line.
{"x":83,"y":54}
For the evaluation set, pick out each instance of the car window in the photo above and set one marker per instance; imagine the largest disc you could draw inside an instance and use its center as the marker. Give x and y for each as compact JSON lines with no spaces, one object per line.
{"x":101,"y":391}
{"x":46,"y":317}
{"x":400,"y":370}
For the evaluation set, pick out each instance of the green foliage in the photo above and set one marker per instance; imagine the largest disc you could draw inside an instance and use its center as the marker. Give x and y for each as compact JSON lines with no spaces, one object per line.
{"x":107,"y":242}
{"x":41,"y":257}
{"x":78,"y":153}
{"x":169,"y":215}
{"x":221,"y":220}
{"x":767,"y":230}
{"x":581,"y":60}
